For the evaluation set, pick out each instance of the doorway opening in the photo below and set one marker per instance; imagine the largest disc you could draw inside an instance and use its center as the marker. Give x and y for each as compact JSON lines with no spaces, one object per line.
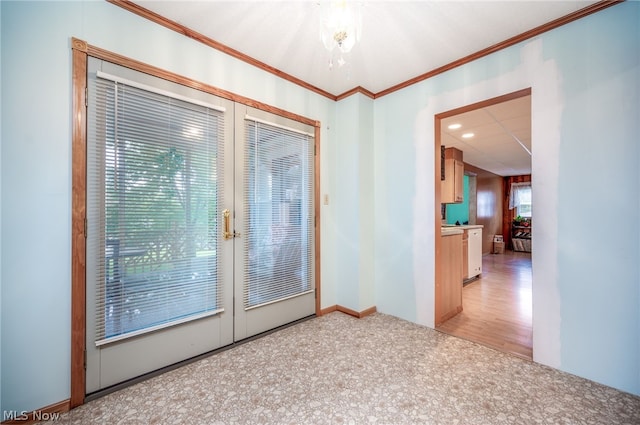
{"x":496,"y":306}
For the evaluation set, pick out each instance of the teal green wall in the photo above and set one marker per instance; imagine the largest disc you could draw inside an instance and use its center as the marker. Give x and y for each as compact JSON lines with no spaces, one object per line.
{"x":460,"y":212}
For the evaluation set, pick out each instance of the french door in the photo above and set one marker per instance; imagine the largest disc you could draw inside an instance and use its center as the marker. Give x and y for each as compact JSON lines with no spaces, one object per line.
{"x":199,"y":225}
{"x":275,"y":185}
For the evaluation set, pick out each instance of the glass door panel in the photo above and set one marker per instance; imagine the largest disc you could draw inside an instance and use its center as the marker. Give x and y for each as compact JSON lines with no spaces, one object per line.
{"x":277,"y":221}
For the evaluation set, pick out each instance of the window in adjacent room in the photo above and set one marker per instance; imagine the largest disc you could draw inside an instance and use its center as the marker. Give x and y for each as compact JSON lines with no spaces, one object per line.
{"x":520,"y":199}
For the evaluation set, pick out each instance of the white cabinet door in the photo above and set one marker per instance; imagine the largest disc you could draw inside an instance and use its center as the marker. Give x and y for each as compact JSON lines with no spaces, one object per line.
{"x":475,"y":252}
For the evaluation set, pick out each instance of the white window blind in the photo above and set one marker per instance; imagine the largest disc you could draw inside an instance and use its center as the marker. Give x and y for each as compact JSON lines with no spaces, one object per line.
{"x":278,"y":207}
{"x":154,"y":177}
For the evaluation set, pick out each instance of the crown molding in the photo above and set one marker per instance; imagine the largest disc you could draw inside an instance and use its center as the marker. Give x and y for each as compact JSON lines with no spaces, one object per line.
{"x":172,"y":25}
{"x":145,"y":13}
{"x":596,"y":7}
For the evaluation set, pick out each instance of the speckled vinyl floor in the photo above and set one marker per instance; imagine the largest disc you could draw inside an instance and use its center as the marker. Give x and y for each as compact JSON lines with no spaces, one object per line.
{"x":337,"y":369}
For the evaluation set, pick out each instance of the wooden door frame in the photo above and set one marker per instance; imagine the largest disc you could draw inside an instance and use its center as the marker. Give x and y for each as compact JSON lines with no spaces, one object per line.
{"x":437,"y":188}
{"x":81,"y":51}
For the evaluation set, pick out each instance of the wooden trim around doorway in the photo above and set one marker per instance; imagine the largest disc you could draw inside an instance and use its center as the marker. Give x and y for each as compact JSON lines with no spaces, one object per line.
{"x":437,"y":205}
{"x":316,"y":189}
{"x":78,"y":219}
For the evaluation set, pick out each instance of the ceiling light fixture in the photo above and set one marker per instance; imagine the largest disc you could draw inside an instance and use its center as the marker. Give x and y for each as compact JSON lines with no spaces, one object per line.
{"x":468,"y":135}
{"x":340,"y":26}
{"x":454,"y":126}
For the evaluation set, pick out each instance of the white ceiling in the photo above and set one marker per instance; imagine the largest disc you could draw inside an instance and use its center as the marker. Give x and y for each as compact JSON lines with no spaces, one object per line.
{"x":502,"y":137}
{"x":401,"y":40}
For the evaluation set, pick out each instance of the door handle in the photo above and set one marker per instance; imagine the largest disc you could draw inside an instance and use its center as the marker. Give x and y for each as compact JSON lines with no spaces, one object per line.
{"x":226,"y":233}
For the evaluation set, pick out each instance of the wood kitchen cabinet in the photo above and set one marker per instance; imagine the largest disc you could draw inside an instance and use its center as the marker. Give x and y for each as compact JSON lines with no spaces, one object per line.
{"x":449,"y":288}
{"x":465,"y":255}
{"x":452,"y":187}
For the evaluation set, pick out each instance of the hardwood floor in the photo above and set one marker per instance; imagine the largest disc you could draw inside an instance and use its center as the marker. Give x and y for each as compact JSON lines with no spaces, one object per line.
{"x":497,"y":306}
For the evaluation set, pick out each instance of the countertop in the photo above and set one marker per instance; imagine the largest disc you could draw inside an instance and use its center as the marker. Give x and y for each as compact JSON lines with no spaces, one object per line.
{"x":449,"y":231}
{"x":462,"y":226}
{"x":452,"y":229}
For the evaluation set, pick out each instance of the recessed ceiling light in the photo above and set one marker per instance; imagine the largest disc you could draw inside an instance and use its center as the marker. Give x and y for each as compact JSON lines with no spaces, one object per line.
{"x":467,"y":135}
{"x":454,"y":126}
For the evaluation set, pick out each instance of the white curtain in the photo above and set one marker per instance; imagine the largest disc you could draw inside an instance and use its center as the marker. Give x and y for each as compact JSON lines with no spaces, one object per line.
{"x":520,"y":194}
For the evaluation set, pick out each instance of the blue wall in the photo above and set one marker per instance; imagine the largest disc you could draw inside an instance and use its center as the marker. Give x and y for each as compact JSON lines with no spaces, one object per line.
{"x":36,"y":169}
{"x":600,"y":176}
{"x":584,"y":79}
